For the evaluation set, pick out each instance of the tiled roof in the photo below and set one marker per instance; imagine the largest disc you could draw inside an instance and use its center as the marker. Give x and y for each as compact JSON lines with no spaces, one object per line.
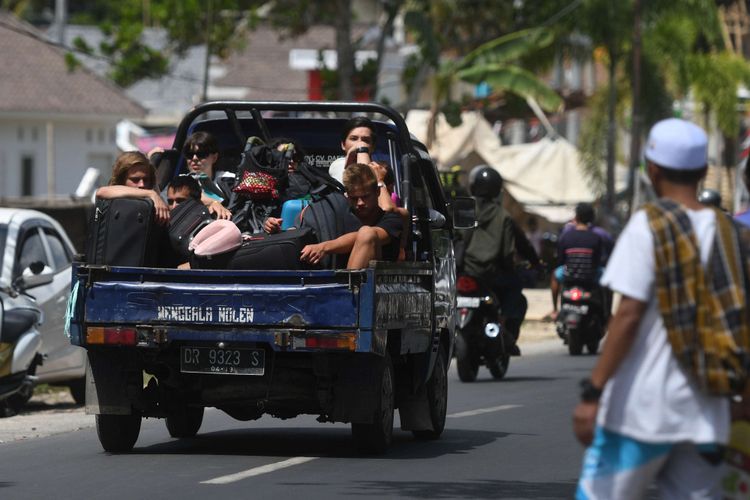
{"x":34,"y":78}
{"x":263,"y":66}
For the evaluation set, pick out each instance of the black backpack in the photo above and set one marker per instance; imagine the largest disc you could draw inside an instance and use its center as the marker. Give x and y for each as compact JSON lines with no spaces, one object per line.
{"x":311,"y":182}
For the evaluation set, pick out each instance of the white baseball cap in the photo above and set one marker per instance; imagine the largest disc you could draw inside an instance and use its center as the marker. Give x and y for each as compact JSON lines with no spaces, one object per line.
{"x":677,"y":144}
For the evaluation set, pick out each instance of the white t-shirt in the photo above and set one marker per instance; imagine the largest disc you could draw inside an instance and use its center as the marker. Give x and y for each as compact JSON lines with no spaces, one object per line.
{"x":650,"y":397}
{"x":336,"y":169}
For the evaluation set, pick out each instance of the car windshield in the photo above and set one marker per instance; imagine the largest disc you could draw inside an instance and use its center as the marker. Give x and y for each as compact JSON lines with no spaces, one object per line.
{"x":3,"y":234}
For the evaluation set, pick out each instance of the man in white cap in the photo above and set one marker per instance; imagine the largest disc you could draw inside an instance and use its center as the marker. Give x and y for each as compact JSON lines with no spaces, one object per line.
{"x":642,"y":414}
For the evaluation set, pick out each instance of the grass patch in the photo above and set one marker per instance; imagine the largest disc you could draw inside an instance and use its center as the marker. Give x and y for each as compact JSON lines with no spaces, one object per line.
{"x":48,"y":389}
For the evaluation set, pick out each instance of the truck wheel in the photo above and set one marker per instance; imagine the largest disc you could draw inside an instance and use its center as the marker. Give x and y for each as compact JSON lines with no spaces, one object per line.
{"x":467,"y":367}
{"x":575,"y":342}
{"x":118,"y":433}
{"x":499,"y":367}
{"x":186,"y":422}
{"x":437,"y":398}
{"x":78,"y":390}
{"x":376,"y":437}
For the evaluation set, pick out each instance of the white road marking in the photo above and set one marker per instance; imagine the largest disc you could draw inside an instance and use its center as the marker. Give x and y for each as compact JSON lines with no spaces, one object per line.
{"x":257,"y":471}
{"x":480,"y":411}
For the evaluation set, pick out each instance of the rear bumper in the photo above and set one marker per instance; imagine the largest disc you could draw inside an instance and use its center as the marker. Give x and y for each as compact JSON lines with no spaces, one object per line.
{"x":155,"y":338}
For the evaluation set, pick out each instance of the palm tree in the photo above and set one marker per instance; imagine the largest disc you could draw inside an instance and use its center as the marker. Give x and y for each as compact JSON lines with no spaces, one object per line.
{"x":683,"y":58}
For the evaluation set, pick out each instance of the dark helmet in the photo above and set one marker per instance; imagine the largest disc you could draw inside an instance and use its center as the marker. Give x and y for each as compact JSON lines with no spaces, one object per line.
{"x":710,"y":197}
{"x":485,"y":182}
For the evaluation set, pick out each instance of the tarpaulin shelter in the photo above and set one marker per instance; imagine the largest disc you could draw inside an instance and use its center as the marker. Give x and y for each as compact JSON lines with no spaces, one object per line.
{"x":546,"y":176}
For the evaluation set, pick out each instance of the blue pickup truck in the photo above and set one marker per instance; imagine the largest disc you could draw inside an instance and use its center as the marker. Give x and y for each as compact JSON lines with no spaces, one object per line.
{"x":347,"y":345}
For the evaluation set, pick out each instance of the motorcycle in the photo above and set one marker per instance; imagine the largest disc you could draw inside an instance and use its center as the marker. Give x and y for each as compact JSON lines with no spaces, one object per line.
{"x":581,"y":320}
{"x":20,"y":343}
{"x":483,"y":338}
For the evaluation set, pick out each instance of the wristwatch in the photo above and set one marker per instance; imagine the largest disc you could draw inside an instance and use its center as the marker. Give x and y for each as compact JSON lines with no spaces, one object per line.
{"x":589,"y":392}
{"x":363,"y":149}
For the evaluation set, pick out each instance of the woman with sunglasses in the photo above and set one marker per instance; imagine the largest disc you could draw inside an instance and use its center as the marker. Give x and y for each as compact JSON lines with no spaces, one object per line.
{"x":133,"y":176}
{"x":201,"y":152}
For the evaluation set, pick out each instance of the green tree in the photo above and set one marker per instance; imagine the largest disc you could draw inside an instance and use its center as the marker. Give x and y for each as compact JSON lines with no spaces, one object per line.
{"x":478,"y":42}
{"x":496,"y":64}
{"x":683,"y":58}
{"x":220,"y":24}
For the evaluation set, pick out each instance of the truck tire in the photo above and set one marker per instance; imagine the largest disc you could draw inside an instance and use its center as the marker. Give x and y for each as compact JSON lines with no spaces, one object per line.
{"x":437,"y":398}
{"x":118,"y":433}
{"x":467,"y":367}
{"x":186,"y":422}
{"x":375,"y":437}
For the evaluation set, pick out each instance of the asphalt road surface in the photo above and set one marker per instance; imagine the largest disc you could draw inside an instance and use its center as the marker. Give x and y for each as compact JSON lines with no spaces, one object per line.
{"x":503,"y":439}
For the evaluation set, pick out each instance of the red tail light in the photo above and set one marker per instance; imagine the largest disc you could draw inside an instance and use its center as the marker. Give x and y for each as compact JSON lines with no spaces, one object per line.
{"x":467,"y":284}
{"x":111,"y":335}
{"x":576,"y":294}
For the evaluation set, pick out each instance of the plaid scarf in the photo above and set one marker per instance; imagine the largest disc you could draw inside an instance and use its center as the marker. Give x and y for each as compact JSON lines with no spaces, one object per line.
{"x":705,"y":310}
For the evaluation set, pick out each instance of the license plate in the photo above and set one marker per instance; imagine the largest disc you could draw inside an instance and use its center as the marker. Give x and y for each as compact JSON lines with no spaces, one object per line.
{"x":470,"y":302}
{"x":222,"y":361}
{"x":582,"y":309}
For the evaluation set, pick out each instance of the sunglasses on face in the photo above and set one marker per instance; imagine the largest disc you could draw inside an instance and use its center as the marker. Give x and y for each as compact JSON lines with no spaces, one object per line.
{"x":200,"y":154}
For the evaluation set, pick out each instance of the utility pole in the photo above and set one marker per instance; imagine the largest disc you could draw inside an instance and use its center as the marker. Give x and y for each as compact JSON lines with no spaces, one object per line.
{"x":61,"y":19}
{"x":207,"y":65}
{"x":635,"y":130}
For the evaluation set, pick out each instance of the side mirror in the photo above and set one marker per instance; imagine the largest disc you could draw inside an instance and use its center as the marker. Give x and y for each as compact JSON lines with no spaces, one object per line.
{"x":464,"y":212}
{"x":34,"y":276}
{"x":437,"y":220}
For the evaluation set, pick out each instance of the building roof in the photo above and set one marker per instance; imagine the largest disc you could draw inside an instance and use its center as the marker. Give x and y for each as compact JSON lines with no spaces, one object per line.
{"x":36,"y":79}
{"x":263,"y":66}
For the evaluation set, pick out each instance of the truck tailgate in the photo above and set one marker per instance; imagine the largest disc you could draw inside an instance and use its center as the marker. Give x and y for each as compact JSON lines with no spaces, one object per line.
{"x":310,"y":299}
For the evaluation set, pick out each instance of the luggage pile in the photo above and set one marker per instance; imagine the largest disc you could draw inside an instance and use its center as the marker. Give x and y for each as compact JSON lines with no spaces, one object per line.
{"x":123,"y":231}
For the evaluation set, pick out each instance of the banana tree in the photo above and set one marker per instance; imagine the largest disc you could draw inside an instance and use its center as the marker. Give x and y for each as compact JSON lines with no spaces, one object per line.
{"x":495,"y":63}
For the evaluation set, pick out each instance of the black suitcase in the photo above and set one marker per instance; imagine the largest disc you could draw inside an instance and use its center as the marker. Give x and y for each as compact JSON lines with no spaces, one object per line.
{"x":278,"y":251}
{"x":123,"y":232}
{"x":185,"y":221}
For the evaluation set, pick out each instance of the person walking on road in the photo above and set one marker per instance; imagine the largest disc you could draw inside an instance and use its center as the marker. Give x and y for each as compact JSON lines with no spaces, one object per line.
{"x":645,"y":415}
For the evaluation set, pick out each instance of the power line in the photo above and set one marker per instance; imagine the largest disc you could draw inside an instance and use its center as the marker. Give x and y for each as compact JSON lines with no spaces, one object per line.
{"x":563,"y":12}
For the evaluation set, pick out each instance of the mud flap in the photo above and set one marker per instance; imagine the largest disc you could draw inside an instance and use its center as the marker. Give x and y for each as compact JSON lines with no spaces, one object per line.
{"x":357,"y":388}
{"x":414,"y":412}
{"x":413,"y":407}
{"x":110,"y":384}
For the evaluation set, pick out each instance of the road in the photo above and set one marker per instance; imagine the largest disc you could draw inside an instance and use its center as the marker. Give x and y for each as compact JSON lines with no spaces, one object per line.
{"x":503,"y":439}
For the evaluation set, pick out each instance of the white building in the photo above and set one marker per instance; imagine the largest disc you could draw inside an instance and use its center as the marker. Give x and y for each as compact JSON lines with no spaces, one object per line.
{"x":54,"y":122}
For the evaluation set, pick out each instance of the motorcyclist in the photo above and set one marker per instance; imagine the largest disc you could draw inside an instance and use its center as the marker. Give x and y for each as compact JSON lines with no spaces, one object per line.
{"x":581,"y":253}
{"x":491,"y":248}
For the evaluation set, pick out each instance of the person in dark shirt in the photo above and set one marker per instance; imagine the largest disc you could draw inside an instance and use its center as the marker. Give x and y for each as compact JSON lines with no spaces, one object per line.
{"x":379,"y":237}
{"x":580,"y":254}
